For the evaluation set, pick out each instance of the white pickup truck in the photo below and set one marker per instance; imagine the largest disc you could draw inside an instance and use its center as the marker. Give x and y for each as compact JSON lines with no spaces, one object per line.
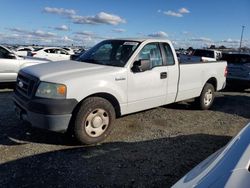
{"x":201,"y":55}
{"x":114,"y":78}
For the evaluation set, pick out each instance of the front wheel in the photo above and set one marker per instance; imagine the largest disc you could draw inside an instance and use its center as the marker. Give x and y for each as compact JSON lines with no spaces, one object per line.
{"x":94,"y":120}
{"x":206,"y":98}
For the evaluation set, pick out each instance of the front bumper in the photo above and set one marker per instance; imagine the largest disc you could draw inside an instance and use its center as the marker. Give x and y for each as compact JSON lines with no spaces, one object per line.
{"x":50,"y":114}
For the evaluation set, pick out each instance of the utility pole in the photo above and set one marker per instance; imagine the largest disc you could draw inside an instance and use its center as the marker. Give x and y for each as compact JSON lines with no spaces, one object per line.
{"x":243,"y":27}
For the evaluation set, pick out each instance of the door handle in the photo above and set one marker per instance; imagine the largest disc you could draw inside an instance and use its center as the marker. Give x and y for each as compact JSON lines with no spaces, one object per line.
{"x":164,"y":75}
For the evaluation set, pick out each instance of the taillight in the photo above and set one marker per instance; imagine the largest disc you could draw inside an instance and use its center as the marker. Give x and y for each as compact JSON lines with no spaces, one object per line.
{"x":225,"y":72}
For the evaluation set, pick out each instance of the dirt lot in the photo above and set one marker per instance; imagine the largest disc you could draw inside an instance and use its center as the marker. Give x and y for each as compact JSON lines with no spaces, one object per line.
{"x":153,"y":148}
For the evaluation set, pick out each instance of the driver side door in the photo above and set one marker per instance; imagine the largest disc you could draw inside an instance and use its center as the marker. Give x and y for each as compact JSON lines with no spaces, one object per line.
{"x":148,"y":89}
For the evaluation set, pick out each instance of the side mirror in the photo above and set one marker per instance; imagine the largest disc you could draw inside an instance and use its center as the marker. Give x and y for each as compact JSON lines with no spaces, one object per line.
{"x":141,"y":65}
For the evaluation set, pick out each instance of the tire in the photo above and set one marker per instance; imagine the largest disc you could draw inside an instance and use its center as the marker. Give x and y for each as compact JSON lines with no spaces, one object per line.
{"x":206,"y":98}
{"x":94,"y":120}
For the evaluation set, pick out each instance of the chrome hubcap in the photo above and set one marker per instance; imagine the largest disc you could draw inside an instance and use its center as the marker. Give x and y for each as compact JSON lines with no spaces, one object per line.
{"x":208,"y":97}
{"x":96,"y":122}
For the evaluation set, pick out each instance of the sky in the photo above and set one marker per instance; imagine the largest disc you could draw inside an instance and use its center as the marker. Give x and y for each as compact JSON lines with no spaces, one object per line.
{"x":196,"y":23}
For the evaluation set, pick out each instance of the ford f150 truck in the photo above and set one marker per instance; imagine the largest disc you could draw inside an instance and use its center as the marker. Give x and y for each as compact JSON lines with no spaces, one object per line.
{"x":201,"y":55}
{"x":114,"y":78}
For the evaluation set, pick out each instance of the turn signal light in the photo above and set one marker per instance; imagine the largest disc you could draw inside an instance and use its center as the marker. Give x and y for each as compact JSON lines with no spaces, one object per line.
{"x":61,"y":89}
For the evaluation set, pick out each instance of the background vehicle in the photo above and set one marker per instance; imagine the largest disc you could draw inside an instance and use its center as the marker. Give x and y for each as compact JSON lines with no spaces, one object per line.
{"x":238,"y":70}
{"x":23,"y":51}
{"x":11,"y":63}
{"x":50,"y":53}
{"x":201,"y":55}
{"x":116,"y":77}
{"x":228,"y":167}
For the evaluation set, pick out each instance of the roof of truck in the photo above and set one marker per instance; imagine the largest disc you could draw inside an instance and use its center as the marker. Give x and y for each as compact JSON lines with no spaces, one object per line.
{"x":143,"y":39}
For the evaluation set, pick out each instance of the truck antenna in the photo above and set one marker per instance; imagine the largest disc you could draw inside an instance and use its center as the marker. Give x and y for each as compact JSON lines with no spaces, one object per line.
{"x":242,"y":31}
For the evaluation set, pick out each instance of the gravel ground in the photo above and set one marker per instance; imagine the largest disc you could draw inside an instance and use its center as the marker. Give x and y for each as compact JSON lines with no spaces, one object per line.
{"x":153,"y":148}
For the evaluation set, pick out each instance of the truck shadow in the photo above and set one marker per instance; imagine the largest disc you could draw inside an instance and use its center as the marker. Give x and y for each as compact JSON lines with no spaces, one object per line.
{"x":230,"y":103}
{"x":22,"y":133}
{"x":153,"y":163}
{"x":7,"y":85}
{"x":233,"y":104}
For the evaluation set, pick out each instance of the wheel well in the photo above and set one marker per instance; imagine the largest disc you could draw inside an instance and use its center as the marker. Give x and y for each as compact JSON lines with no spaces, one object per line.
{"x":106,"y":96}
{"x":213,"y":81}
{"x":111,"y":99}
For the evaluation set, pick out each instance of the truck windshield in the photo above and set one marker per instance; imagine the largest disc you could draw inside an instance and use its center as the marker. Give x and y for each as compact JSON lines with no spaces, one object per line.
{"x":110,"y":52}
{"x":204,"y":53}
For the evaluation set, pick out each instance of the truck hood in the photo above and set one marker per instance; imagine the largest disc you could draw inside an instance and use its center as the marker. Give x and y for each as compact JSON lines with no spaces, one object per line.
{"x":64,"y":70}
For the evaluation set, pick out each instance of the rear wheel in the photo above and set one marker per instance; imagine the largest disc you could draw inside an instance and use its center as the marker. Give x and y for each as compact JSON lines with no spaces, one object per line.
{"x":206,"y":98}
{"x":94,"y":120}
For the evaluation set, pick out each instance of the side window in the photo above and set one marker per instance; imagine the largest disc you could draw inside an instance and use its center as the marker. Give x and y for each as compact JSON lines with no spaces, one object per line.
{"x":3,"y":53}
{"x":50,"y":51}
{"x":24,"y":49}
{"x":47,"y":51}
{"x":169,"y":54}
{"x":151,"y":52}
{"x":63,"y":52}
{"x":57,"y":51}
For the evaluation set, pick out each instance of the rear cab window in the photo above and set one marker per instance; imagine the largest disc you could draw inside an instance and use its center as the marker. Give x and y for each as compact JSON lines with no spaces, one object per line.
{"x":169,"y":57}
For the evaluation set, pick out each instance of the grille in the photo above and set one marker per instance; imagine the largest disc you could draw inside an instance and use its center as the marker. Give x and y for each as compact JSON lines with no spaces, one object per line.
{"x":26,"y":85}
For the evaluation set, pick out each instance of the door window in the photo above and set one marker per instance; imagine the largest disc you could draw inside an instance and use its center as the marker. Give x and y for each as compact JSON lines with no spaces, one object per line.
{"x":50,"y":51}
{"x":4,"y":53}
{"x":151,"y":52}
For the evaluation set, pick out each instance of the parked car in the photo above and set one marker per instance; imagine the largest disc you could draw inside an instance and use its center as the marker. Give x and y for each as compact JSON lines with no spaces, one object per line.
{"x":115,"y":77}
{"x":11,"y":63}
{"x":228,"y":167}
{"x":77,"y":55}
{"x":23,"y":51}
{"x":238,"y":70}
{"x":201,"y":55}
{"x":50,"y":53}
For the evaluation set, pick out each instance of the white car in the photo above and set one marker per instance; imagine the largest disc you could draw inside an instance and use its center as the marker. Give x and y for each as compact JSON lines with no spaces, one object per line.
{"x":23,"y":51}
{"x":11,"y":63}
{"x":51,"y":53}
{"x":115,"y":77}
{"x":229,"y":167}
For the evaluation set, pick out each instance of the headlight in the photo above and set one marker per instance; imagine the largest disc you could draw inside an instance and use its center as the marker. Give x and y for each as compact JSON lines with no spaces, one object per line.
{"x":51,"y":90}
